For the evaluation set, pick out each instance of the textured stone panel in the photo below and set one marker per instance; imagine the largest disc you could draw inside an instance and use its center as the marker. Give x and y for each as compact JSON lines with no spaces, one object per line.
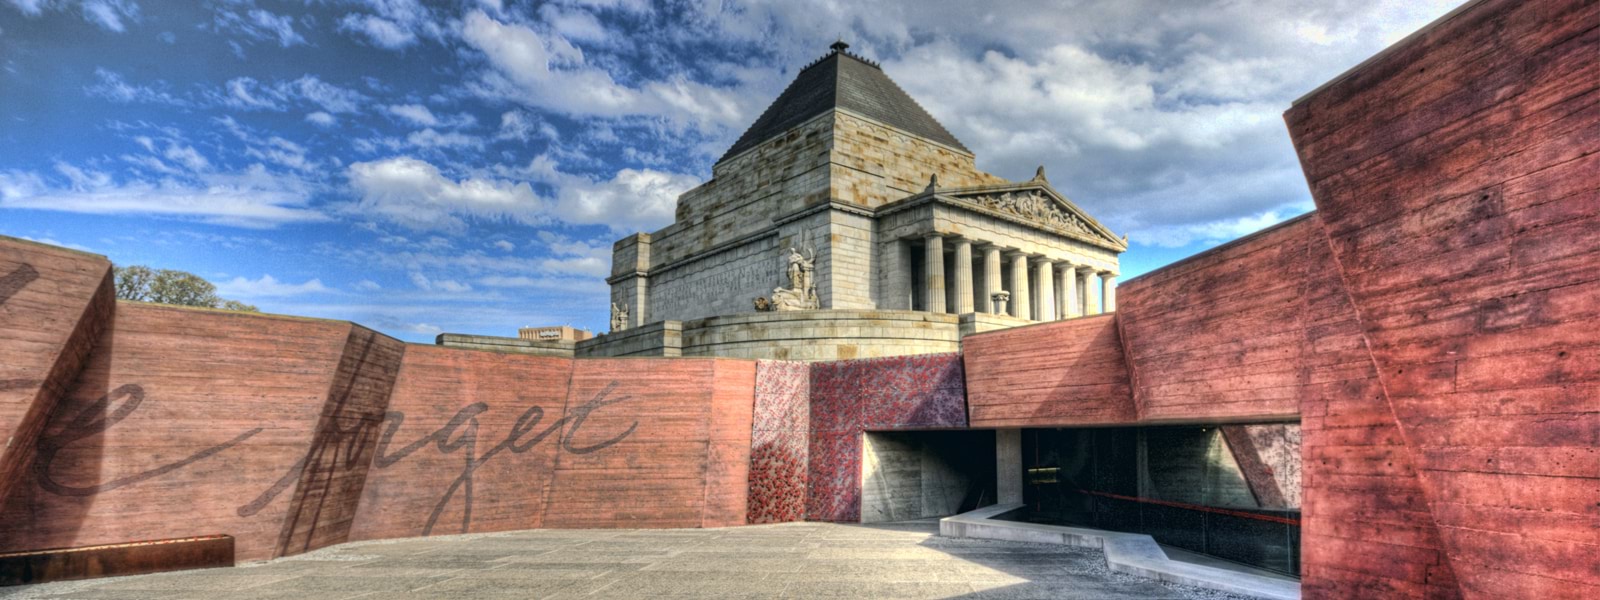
{"x":779,"y":442}
{"x":884,"y":394}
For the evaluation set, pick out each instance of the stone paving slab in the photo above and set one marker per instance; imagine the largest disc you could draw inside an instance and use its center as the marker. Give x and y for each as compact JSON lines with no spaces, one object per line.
{"x":795,"y":560}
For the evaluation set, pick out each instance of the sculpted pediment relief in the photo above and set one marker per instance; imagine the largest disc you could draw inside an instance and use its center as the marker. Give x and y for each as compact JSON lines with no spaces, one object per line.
{"x":1035,"y":203}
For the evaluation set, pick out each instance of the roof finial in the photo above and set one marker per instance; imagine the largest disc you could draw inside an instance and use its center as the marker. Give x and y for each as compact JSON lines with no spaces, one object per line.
{"x":839,"y":46}
{"x":933,"y":182}
{"x":1039,"y":174}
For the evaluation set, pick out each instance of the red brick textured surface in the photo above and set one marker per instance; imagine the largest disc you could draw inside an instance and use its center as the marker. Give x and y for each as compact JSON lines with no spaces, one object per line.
{"x":1459,"y":184}
{"x":54,"y":303}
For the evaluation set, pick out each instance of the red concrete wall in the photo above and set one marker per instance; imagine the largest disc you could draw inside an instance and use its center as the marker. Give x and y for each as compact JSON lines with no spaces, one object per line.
{"x":1459,"y":182}
{"x":501,"y":413}
{"x":673,"y":451}
{"x":336,"y":466}
{"x":479,"y":441}
{"x":1365,"y":527}
{"x":1057,"y":374}
{"x":183,"y":423}
{"x":54,"y":303}
{"x":1219,"y":336}
{"x":1260,"y":328}
{"x":293,"y":434}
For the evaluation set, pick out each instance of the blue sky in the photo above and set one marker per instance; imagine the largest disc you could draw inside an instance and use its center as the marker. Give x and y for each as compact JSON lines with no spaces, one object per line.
{"x":464,"y":166}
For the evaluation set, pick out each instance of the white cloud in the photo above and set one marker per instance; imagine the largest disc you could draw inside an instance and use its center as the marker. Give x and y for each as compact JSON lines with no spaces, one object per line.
{"x":321,"y":119}
{"x":246,"y":93}
{"x":254,"y":197}
{"x":632,"y":200}
{"x":574,"y":257}
{"x":593,"y":287}
{"x":1215,"y":232}
{"x":271,"y":148}
{"x":368,"y":285}
{"x":416,"y":114}
{"x":112,"y":86}
{"x":504,"y":245}
{"x":381,"y":32}
{"x":269,"y":287}
{"x":444,"y":285}
{"x":524,"y":126}
{"x":547,"y":71}
{"x":56,"y":242}
{"x":414,"y":194}
{"x":258,"y":24}
{"x":393,"y":24}
{"x":431,"y":138}
{"x":108,"y":14}
{"x":31,"y":8}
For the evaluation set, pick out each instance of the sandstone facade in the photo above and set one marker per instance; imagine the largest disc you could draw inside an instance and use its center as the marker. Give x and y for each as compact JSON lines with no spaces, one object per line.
{"x":888,"y":208}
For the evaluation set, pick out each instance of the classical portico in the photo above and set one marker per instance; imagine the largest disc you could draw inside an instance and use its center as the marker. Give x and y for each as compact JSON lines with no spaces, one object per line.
{"x":1023,"y":238}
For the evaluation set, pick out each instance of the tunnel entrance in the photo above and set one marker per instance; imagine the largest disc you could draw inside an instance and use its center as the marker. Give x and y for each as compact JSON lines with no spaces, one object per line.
{"x":921,"y":474}
{"x":1230,"y":492}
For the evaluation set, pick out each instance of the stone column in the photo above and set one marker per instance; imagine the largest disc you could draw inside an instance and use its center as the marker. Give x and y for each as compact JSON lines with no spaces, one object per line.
{"x":1091,"y":301}
{"x":1047,"y":290}
{"x":1069,"y":288}
{"x":1108,"y":291}
{"x":1019,"y":286}
{"x":1008,"y":466}
{"x":933,"y":274}
{"x":991,"y":275}
{"x":963,"y":262}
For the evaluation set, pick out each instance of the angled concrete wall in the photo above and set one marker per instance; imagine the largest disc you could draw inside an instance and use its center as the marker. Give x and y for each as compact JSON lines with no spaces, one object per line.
{"x":54,"y":303}
{"x":1457,"y":176}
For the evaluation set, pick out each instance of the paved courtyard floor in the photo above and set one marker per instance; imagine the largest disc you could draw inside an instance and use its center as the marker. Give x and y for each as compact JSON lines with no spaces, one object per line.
{"x":794,"y":560}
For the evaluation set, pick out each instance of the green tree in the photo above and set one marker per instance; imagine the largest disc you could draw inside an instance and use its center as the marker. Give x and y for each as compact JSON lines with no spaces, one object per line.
{"x":168,"y":286}
{"x":133,"y":283}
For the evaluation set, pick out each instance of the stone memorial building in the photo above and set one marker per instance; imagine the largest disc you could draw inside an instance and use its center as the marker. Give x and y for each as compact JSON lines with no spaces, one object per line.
{"x":847,"y":222}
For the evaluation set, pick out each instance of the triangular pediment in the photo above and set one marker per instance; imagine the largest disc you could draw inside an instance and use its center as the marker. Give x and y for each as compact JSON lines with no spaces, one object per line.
{"x":1036,"y":203}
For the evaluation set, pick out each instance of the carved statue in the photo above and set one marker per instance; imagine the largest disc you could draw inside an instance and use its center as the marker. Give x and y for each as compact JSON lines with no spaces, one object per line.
{"x":800,"y":270}
{"x":763,"y":304}
{"x":802,"y":291}
{"x":619,"y":317}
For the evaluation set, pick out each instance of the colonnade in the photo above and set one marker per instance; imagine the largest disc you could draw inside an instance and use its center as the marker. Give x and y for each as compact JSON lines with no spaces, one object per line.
{"x":1040,"y":288}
